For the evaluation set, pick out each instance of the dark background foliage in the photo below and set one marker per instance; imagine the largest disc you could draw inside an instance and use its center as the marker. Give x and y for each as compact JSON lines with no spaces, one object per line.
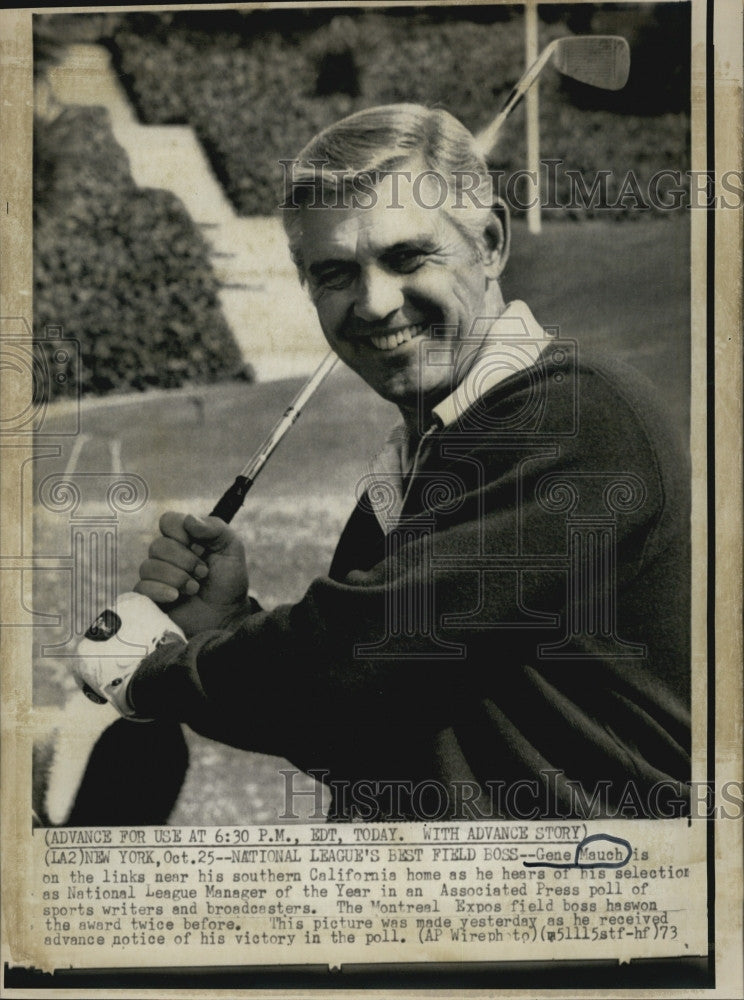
{"x":123,"y":270}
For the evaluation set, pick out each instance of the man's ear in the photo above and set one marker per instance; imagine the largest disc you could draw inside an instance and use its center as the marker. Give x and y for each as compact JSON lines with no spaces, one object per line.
{"x":498,"y":239}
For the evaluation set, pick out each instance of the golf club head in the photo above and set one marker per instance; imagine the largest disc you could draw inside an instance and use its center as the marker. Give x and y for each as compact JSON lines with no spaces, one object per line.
{"x":599,"y":60}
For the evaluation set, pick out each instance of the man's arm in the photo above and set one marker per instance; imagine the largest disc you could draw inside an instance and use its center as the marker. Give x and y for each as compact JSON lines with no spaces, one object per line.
{"x":275,"y":680}
{"x":305,"y":665}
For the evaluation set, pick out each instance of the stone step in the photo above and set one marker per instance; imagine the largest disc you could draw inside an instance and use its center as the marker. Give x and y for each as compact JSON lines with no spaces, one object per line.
{"x":171,"y":157}
{"x":85,"y":76}
{"x":269,"y":314}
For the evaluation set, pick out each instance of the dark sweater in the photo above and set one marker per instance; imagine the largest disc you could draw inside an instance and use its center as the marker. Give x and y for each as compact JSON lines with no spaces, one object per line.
{"x":518,"y":642}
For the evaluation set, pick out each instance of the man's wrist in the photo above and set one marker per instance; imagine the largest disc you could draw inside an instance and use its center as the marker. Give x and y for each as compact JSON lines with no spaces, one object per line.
{"x":166,"y":683}
{"x":248,"y":606}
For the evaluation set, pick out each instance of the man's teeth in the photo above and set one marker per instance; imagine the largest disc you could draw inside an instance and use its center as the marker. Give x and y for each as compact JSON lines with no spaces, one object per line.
{"x":391,"y":340}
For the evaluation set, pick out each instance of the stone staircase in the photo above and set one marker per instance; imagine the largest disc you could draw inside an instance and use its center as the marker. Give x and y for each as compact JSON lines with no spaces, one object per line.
{"x":272,"y":320}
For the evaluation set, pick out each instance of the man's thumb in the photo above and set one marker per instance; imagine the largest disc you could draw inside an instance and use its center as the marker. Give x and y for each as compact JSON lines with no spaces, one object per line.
{"x":208,"y":529}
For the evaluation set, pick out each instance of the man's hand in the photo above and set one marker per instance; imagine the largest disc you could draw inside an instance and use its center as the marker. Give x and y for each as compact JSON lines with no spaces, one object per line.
{"x":198,"y":591}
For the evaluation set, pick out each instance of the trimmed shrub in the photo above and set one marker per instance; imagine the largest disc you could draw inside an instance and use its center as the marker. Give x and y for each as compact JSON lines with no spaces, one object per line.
{"x":123,"y":270}
{"x":256,"y":85}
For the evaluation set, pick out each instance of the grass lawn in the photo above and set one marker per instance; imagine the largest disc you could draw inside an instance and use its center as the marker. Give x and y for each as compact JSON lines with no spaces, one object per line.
{"x":620,"y":287}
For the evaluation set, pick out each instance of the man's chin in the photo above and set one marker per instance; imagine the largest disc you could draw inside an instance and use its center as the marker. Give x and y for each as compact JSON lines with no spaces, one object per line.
{"x":408,"y":394}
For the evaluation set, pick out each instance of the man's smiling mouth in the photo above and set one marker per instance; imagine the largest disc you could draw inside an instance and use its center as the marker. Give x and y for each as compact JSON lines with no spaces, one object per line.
{"x":389,"y":341}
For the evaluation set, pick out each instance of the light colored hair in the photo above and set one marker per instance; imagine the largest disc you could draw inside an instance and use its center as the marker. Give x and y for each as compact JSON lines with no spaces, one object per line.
{"x":379,"y":141}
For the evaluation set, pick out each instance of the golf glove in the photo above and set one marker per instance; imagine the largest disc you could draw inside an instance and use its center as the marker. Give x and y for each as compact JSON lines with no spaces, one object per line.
{"x":115,"y":645}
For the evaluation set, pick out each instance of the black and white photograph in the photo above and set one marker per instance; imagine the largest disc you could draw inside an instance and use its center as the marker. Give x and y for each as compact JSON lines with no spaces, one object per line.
{"x":365,"y":579}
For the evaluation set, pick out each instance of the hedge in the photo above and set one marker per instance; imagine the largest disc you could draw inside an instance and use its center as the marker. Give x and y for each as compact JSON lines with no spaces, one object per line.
{"x":123,"y":270}
{"x":256,"y":85}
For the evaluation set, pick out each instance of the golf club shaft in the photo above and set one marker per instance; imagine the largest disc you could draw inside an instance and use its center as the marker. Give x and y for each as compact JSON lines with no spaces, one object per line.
{"x":232,"y":499}
{"x":487,"y":136}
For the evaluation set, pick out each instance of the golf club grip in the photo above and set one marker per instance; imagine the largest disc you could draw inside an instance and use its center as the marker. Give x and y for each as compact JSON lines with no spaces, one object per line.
{"x":232,"y":499}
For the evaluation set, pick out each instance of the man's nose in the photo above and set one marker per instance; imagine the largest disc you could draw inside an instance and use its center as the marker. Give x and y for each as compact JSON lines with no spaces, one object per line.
{"x":379,"y":294}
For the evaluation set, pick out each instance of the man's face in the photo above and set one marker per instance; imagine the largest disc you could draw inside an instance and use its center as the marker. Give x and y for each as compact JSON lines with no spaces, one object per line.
{"x":396,"y":289}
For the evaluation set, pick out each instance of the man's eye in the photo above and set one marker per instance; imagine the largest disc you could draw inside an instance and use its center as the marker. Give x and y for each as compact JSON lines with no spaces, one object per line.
{"x":335,"y":279}
{"x":407,"y":261}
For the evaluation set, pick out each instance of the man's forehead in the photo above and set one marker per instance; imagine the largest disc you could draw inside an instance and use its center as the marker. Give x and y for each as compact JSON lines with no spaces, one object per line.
{"x":400,"y":207}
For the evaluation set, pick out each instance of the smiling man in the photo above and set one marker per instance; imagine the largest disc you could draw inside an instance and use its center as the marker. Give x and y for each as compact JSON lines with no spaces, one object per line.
{"x":503,"y":631}
{"x":386,"y":279}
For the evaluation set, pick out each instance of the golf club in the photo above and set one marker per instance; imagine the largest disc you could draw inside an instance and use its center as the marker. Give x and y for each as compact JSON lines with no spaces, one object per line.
{"x":599,"y":60}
